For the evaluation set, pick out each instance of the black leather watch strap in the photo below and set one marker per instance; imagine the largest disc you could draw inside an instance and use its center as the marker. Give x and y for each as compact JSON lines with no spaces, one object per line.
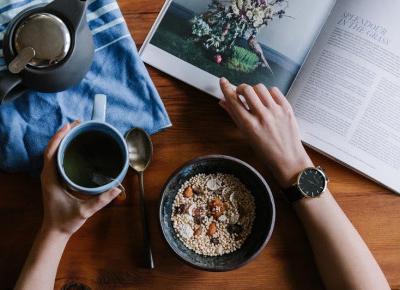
{"x":293,"y":194}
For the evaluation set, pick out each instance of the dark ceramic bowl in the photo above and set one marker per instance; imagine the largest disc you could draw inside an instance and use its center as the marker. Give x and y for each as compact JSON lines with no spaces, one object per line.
{"x":262,"y":226}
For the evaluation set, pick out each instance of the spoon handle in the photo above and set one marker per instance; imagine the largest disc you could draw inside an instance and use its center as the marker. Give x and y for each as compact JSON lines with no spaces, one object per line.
{"x":148,"y":256}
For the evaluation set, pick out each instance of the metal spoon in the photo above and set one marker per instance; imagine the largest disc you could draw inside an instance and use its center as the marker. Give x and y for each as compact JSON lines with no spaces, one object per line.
{"x":140,"y":153}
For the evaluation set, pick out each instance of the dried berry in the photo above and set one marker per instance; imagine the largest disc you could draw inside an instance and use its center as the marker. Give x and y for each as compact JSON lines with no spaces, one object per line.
{"x":214,"y":241}
{"x":180,"y":209}
{"x":234,"y":229}
{"x":212,"y":229}
{"x":188,"y":192}
{"x":241,"y":210}
{"x":197,"y":190}
{"x":198,"y":219}
{"x":198,"y":212}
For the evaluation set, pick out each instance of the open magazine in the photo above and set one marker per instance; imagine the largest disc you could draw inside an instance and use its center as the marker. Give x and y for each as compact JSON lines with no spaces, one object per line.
{"x":337,"y":61}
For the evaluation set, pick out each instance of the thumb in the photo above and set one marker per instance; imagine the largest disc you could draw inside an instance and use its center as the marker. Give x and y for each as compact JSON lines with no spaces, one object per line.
{"x":97,"y":203}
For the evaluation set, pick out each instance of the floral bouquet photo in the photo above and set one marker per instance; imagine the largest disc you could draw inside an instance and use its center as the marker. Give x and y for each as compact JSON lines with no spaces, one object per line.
{"x":220,"y":28}
{"x":246,"y":41}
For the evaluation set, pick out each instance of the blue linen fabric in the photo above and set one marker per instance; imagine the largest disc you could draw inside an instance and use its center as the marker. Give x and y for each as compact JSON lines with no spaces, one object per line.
{"x":28,"y":123}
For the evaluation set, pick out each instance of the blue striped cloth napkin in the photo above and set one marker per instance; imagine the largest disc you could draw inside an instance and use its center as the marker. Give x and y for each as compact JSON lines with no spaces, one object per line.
{"x":27,"y":124}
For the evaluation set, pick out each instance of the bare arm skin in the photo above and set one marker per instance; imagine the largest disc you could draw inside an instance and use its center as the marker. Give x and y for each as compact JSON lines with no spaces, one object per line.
{"x":64,"y":214}
{"x":268,"y":122}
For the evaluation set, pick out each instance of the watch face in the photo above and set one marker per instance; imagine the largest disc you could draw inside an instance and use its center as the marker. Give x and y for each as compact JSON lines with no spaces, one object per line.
{"x":312,"y":182}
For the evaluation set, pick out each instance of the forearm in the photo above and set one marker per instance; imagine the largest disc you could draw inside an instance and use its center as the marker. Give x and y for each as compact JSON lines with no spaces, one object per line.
{"x":343,"y":258}
{"x":40,"y":268}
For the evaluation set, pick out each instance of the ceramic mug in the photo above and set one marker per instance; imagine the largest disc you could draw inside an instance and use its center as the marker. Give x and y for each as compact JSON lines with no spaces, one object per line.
{"x":97,"y":124}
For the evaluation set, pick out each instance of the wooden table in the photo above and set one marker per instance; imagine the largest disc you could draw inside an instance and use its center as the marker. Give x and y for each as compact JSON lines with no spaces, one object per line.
{"x":107,"y":252}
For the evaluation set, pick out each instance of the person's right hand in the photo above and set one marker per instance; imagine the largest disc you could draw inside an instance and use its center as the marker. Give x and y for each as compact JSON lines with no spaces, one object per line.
{"x":270,"y":126}
{"x":63,"y":212}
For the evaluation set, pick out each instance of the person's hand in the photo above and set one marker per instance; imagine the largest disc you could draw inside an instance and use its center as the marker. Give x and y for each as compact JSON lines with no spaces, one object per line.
{"x":63,"y":212}
{"x":269,"y":124}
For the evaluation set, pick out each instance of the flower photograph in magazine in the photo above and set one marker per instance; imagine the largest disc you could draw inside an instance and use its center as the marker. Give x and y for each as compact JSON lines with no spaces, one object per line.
{"x":251,"y":41}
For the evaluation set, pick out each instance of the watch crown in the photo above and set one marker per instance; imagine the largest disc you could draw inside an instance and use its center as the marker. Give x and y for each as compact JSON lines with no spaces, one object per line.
{"x":324,"y":172}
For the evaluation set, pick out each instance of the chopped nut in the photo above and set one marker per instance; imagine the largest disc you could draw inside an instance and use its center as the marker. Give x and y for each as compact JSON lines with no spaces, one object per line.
{"x":212,"y":229}
{"x":188,"y":192}
{"x":197,"y":232}
{"x":216,"y":207}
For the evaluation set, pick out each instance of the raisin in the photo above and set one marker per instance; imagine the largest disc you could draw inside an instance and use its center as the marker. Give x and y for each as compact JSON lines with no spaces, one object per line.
{"x":198,"y":220}
{"x":197,"y":190}
{"x":241,"y":210}
{"x":198,"y":212}
{"x":214,"y":241}
{"x":180,"y":209}
{"x":234,"y":229}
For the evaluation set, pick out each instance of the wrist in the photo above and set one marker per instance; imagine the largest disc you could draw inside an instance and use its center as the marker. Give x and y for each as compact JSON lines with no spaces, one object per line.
{"x":289,"y":170}
{"x":53,"y":233}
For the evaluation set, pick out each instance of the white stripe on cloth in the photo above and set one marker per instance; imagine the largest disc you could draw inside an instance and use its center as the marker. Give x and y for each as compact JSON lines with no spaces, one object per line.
{"x":112,"y":42}
{"x":6,"y":16}
{"x":101,"y":11}
{"x":10,"y":14}
{"x":108,"y":25}
{"x":4,"y":3}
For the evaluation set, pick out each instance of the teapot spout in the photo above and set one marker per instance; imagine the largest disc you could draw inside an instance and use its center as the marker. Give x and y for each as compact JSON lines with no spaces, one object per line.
{"x":72,"y":11}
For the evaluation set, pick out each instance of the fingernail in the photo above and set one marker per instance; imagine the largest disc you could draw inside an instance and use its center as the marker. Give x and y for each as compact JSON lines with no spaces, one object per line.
{"x":66,"y":127}
{"x":76,"y":122}
{"x":276,"y":90}
{"x":224,"y":81}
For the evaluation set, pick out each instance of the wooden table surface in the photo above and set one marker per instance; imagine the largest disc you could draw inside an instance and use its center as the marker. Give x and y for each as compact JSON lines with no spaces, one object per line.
{"x":107,"y":252}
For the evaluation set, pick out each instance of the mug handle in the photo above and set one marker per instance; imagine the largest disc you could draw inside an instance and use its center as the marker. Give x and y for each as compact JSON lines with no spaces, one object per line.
{"x":99,"y":108}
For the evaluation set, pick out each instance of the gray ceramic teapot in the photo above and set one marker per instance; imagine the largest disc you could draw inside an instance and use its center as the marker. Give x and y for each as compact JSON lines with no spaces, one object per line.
{"x":48,"y":48}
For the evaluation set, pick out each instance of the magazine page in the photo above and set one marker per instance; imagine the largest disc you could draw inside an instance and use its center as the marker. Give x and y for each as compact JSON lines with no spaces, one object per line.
{"x":347,"y":95}
{"x":251,"y":41}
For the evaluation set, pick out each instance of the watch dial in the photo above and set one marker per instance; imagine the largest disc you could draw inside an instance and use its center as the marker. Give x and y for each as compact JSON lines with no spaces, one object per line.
{"x":312,"y":182}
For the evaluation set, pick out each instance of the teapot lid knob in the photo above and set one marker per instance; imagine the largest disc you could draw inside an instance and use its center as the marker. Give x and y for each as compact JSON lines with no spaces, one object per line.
{"x":47,"y":34}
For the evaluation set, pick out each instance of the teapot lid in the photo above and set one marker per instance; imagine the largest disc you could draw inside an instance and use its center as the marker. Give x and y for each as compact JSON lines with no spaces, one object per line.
{"x":47,"y":35}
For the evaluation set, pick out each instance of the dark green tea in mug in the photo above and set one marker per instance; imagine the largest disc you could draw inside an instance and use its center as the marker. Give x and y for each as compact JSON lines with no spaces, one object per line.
{"x":93,"y":159}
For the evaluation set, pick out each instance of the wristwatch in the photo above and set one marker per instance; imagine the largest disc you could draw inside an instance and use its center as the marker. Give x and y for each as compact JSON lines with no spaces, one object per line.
{"x":311,"y":183}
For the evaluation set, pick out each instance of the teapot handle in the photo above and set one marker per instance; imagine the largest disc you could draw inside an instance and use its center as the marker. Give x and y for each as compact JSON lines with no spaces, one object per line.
{"x":8,"y":84}
{"x":72,"y":10}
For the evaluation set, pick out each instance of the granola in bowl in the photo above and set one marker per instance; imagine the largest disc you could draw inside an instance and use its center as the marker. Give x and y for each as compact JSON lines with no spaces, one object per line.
{"x":213,"y":214}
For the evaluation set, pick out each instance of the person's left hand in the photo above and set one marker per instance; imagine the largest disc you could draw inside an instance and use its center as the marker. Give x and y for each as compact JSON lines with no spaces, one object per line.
{"x":64,"y":212}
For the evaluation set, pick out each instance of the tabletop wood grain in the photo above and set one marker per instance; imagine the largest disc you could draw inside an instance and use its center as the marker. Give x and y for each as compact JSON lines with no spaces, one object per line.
{"x":107,"y":252}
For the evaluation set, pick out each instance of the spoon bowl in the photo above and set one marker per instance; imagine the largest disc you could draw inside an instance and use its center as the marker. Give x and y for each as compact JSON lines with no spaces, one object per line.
{"x":140,"y":149}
